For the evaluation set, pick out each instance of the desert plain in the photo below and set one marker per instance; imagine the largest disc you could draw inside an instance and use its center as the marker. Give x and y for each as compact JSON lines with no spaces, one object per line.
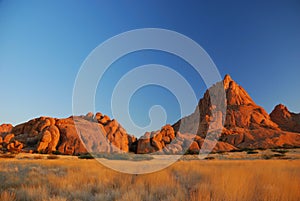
{"x":248,"y":175}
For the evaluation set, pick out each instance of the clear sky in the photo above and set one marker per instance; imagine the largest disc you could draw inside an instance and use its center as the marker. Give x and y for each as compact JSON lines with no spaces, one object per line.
{"x":43,"y":44}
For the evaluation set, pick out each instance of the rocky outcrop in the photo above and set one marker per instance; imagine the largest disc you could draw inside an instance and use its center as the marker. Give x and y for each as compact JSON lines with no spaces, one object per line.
{"x":242,"y":112}
{"x":156,"y":141}
{"x":14,"y":146}
{"x":236,"y":121}
{"x":225,"y":119}
{"x":5,"y":128}
{"x":286,"y":120}
{"x":8,"y":138}
{"x":73,"y":135}
{"x":167,"y":141}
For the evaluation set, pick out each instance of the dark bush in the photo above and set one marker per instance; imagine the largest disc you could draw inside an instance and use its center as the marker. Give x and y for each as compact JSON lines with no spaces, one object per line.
{"x":209,"y":158}
{"x":252,"y":152}
{"x":7,"y":156}
{"x":57,"y":152}
{"x":236,"y":150}
{"x":141,"y":157}
{"x":278,"y":155}
{"x":267,"y":156}
{"x":281,"y":151}
{"x":247,"y":149}
{"x":86,"y":156}
{"x":38,"y":157}
{"x":190,"y":152}
{"x":116,"y":156}
{"x":51,"y":157}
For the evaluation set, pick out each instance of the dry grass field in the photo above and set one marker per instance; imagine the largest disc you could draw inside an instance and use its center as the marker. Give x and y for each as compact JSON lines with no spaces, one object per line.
{"x":68,"y":178}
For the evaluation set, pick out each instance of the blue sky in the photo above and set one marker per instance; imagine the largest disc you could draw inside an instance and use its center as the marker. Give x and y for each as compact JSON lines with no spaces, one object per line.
{"x":44,"y":43}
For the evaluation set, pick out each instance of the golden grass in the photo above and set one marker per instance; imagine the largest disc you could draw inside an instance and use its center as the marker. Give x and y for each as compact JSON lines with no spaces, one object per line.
{"x":67,"y":179}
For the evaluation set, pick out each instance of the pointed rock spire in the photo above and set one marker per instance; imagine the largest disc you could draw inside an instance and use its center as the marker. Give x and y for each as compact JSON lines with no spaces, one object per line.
{"x":235,"y":94}
{"x":226,"y":81}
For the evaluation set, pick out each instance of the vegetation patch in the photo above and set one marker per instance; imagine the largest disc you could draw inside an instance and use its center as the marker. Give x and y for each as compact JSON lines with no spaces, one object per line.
{"x":86,"y":156}
{"x":278,"y":155}
{"x":236,"y":150}
{"x":141,"y":157}
{"x":7,"y":156}
{"x":65,"y":179}
{"x":267,"y":156}
{"x":116,"y":156}
{"x":57,"y":152}
{"x":52,"y":157}
{"x":37,"y":157}
{"x":209,"y":158}
{"x":252,"y":152}
{"x":281,"y":151}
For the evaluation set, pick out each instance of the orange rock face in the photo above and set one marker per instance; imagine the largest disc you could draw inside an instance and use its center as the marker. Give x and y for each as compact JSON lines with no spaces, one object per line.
{"x":5,"y":128}
{"x":286,"y":120}
{"x":155,"y":141}
{"x":225,"y":119}
{"x":14,"y":146}
{"x":8,"y":138}
{"x":73,"y":135}
{"x":238,"y":121}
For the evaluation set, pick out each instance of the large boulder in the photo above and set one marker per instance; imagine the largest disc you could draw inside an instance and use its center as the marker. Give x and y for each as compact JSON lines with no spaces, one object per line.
{"x":155,"y":141}
{"x":70,"y":142}
{"x":8,"y":138}
{"x":49,"y":139}
{"x":14,"y":146}
{"x":5,"y":128}
{"x":92,"y":134}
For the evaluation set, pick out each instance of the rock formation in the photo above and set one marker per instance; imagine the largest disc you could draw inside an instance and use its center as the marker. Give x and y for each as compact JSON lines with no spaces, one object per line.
{"x":236,"y":121}
{"x":5,"y":128}
{"x":73,"y":135}
{"x":225,"y":119}
{"x":286,"y":120}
